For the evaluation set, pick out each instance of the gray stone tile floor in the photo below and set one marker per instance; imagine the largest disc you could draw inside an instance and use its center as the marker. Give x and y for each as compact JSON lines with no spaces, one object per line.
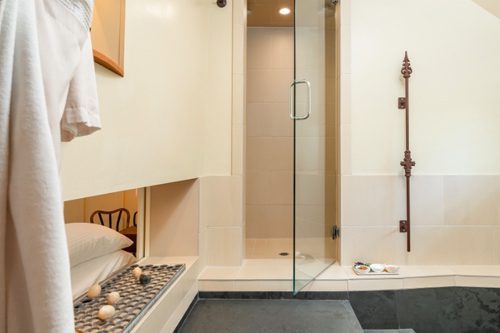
{"x":390,"y":331}
{"x":276,"y":316}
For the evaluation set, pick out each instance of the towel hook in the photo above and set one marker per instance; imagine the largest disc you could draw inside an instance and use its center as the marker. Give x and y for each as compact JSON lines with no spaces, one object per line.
{"x":221,"y":3}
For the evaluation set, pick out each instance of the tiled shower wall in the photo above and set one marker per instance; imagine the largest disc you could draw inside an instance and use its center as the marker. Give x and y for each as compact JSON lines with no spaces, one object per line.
{"x":455,"y":219}
{"x":455,"y":132}
{"x":269,"y":155}
{"x":222,"y":219}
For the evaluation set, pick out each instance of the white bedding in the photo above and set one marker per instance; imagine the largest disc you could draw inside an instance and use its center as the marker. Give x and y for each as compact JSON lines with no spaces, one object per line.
{"x":87,"y":273}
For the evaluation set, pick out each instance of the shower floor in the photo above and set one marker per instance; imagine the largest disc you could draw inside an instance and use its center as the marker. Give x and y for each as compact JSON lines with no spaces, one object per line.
{"x":269,"y":248}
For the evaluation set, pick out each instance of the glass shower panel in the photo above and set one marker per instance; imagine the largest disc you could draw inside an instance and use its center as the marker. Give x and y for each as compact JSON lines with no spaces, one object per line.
{"x":313,"y":245}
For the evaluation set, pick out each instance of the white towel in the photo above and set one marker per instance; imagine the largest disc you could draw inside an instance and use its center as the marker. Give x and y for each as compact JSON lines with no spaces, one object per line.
{"x":81,"y":114}
{"x":41,"y":44}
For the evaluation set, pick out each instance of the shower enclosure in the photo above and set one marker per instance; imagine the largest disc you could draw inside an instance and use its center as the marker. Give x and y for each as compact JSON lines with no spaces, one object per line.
{"x":312,"y":109}
{"x":312,"y":118}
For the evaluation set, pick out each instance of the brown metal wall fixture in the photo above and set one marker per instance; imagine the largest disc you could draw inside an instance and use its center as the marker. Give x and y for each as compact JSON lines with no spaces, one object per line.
{"x":407,"y":163}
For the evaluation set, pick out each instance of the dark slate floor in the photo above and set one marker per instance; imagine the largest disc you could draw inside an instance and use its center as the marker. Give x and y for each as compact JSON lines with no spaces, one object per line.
{"x":409,"y":330}
{"x":276,"y":316}
{"x":430,"y":310}
{"x":391,"y":331}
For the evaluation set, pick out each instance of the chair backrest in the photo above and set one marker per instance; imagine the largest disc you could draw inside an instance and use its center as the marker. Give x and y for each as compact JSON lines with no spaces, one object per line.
{"x":134,"y":219}
{"x":110,"y":221}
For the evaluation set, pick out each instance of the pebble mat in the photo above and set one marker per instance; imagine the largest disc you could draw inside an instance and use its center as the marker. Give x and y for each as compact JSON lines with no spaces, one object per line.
{"x":135,"y":299}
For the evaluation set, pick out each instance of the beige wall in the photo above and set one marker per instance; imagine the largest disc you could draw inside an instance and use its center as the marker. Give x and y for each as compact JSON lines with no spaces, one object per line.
{"x":174,"y":219}
{"x":221,"y":220}
{"x":222,"y":198}
{"x":169,"y":118}
{"x":455,"y":131}
{"x":80,"y":210}
{"x":178,"y":114}
{"x":269,"y":136}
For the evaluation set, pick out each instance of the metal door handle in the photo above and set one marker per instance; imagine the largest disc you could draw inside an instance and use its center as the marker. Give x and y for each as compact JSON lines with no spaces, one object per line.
{"x":291,"y":101}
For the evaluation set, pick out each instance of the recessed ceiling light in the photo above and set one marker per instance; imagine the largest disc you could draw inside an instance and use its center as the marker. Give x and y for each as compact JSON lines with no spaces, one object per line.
{"x":285,"y":11}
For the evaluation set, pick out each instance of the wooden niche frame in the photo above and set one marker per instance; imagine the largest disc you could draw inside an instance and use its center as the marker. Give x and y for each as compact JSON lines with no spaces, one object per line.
{"x":108,"y":34}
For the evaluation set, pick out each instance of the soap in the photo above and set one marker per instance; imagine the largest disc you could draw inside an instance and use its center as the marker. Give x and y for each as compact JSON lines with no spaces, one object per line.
{"x":113,"y":297}
{"x":137,"y":272}
{"x":106,"y":312}
{"x":94,"y":291}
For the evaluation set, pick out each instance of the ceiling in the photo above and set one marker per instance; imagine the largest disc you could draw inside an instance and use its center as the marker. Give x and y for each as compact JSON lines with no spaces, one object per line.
{"x":264,"y":13}
{"x":493,"y":6}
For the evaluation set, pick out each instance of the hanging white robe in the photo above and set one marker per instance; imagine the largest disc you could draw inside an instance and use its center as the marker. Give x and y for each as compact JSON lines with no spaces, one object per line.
{"x":43,"y":46}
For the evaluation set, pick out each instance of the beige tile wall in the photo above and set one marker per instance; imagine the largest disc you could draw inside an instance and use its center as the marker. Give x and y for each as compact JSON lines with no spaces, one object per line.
{"x":238,"y":87}
{"x":222,"y":211}
{"x":455,"y":219}
{"x":456,"y":187}
{"x":269,"y":133}
{"x":221,"y":220}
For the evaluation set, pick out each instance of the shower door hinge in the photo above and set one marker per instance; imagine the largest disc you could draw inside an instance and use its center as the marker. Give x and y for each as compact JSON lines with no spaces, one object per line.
{"x":335,"y":232}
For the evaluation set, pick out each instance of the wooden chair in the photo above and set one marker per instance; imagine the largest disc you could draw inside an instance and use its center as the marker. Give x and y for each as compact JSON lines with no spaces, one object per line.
{"x":110,"y":221}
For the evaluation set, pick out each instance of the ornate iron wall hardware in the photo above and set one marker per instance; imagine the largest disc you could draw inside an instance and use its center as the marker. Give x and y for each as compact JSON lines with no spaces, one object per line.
{"x":407,"y":163}
{"x":402,"y":226}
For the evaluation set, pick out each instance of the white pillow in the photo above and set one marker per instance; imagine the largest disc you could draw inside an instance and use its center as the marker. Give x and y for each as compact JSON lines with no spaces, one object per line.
{"x":89,"y":240}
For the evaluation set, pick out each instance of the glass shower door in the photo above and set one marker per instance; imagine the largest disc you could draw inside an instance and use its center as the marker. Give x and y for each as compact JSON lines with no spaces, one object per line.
{"x":314,"y":248}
